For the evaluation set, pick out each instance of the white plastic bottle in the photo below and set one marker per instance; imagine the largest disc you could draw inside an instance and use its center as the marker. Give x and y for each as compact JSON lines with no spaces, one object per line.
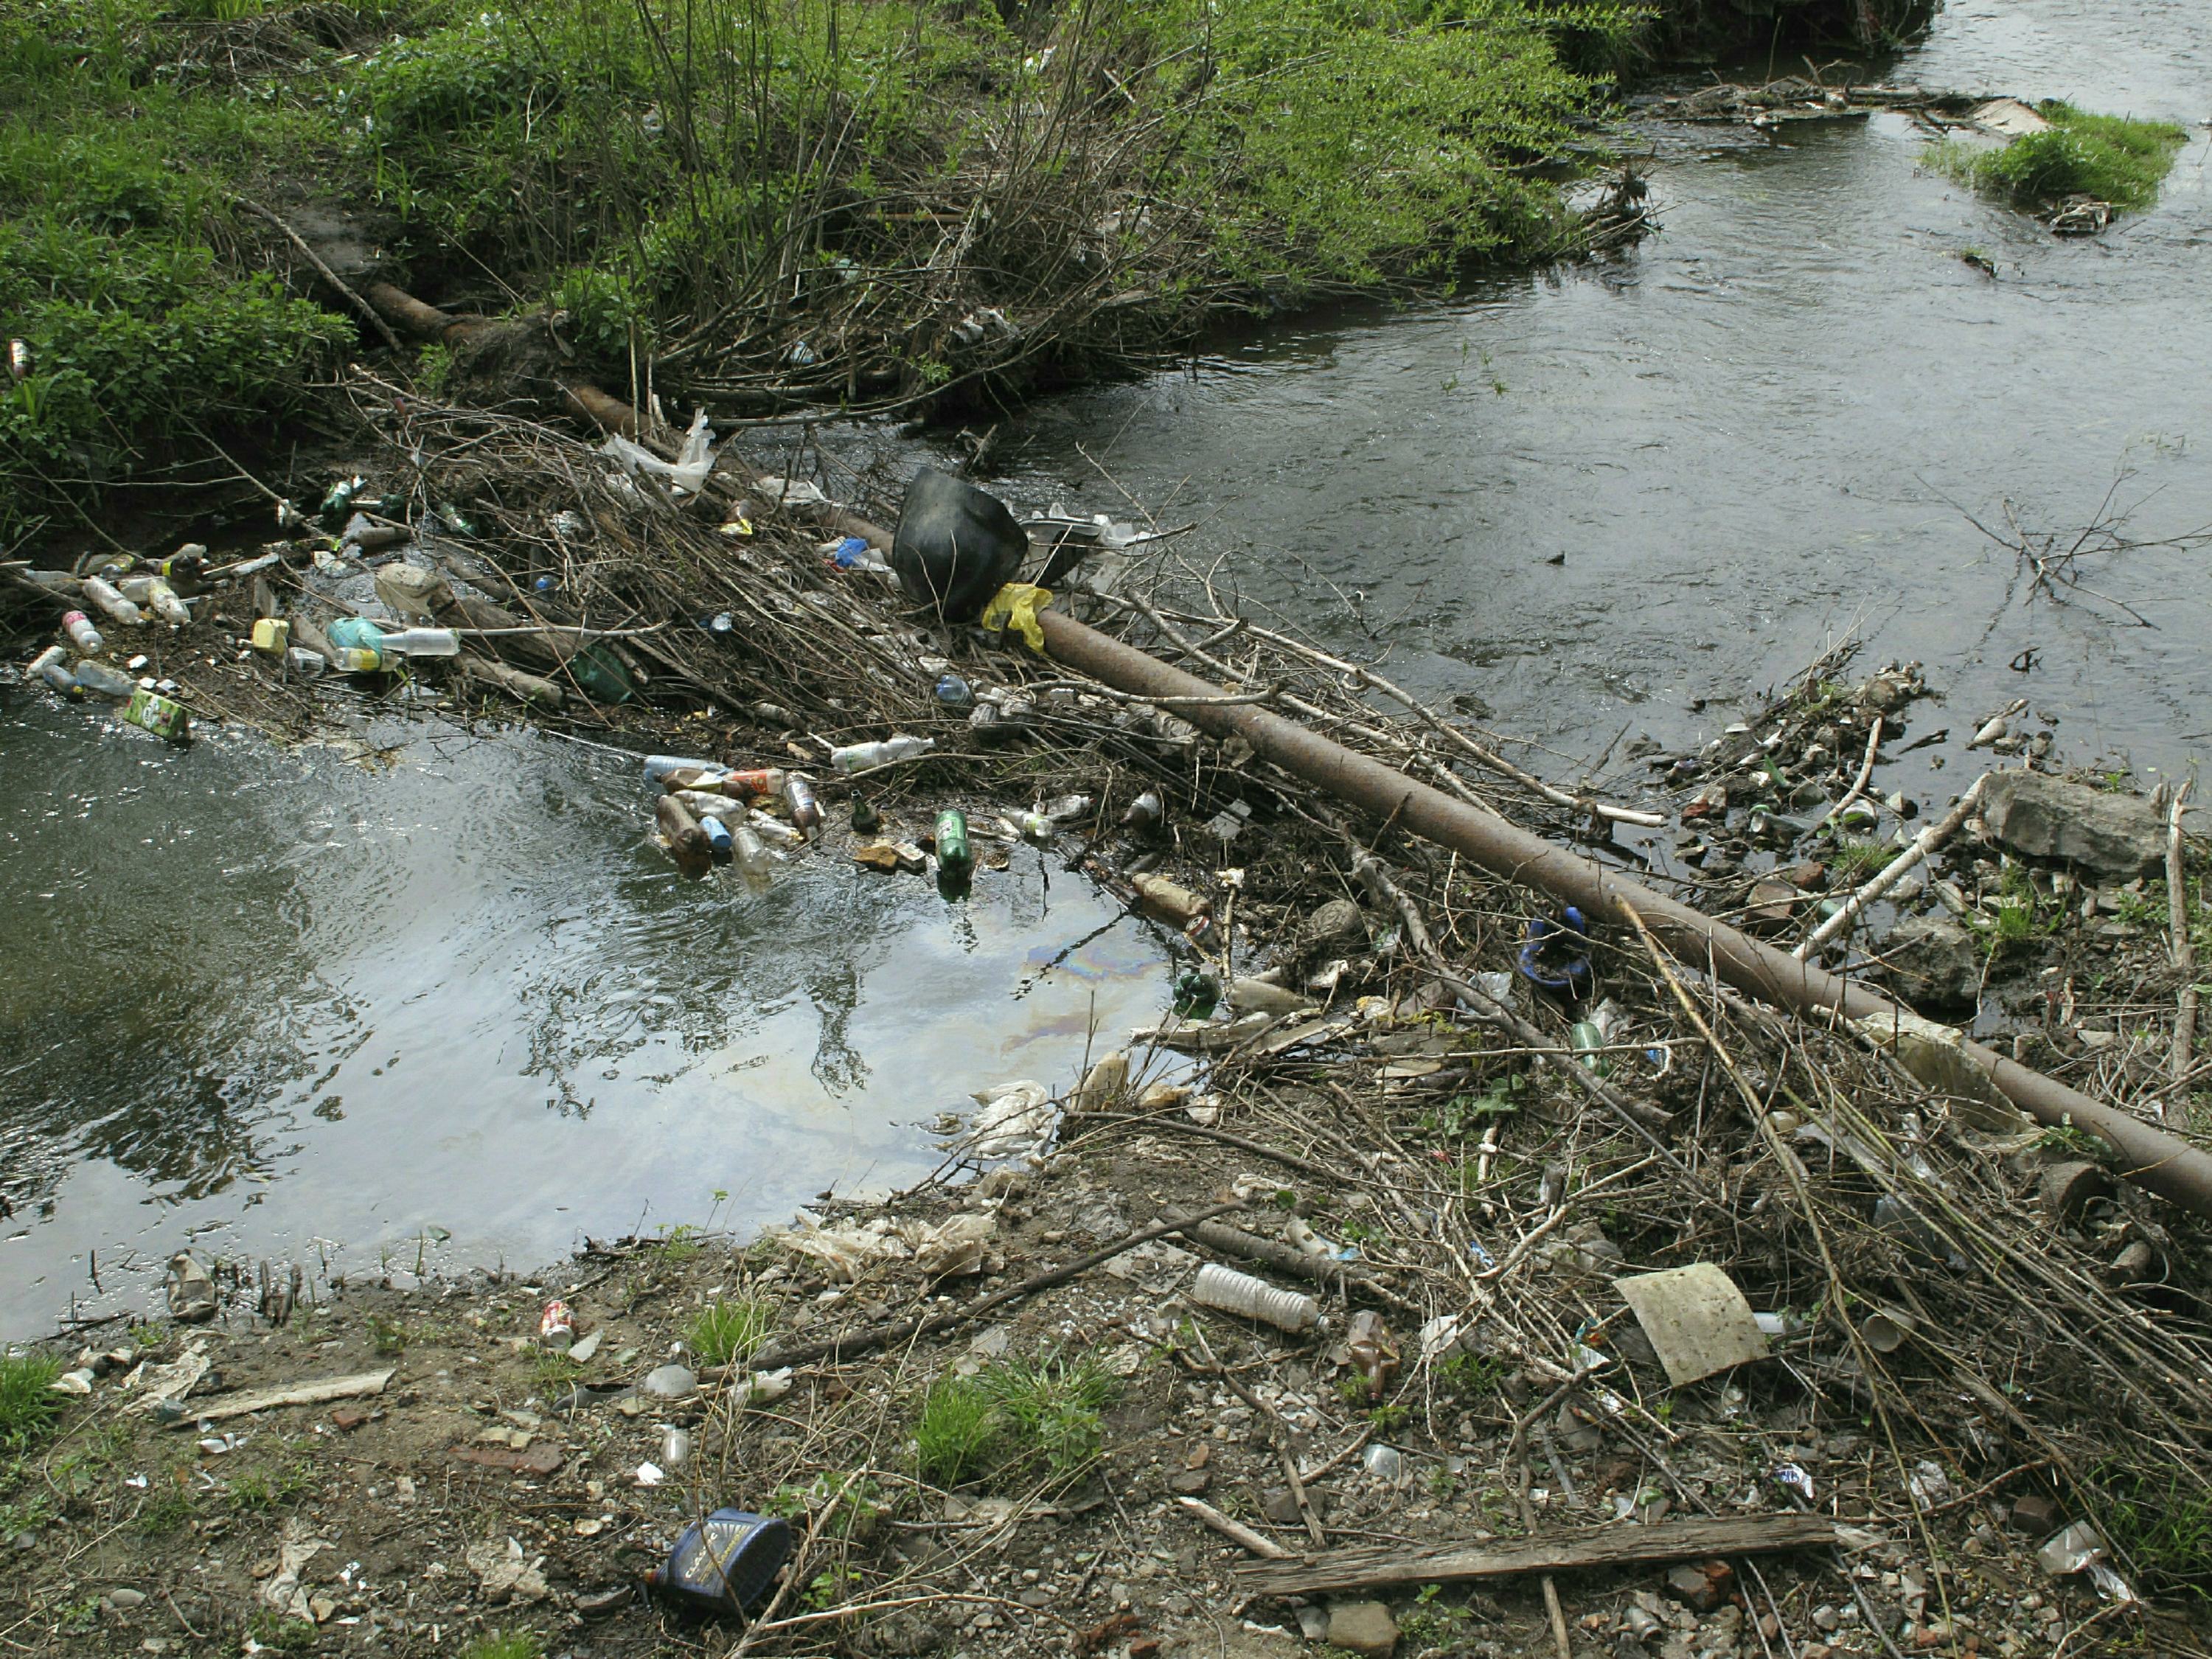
{"x":860,"y":757}
{"x":422,"y":642}
{"x":1253,"y":1298}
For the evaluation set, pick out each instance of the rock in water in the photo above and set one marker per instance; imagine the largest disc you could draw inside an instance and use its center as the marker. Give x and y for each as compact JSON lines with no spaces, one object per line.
{"x":955,"y":547}
{"x":2113,"y":837}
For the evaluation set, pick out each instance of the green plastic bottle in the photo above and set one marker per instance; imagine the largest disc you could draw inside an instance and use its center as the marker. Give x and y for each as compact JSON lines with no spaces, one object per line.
{"x":952,"y":849}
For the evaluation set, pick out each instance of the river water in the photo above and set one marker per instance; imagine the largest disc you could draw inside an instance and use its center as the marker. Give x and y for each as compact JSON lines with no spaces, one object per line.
{"x":294,"y":1005}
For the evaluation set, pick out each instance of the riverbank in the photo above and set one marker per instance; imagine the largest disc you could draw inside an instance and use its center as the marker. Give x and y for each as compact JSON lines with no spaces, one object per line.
{"x":983,"y":1403}
{"x":870,"y":207}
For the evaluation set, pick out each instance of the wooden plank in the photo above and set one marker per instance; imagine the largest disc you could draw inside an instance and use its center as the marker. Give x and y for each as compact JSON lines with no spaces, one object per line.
{"x":1605,"y":1546}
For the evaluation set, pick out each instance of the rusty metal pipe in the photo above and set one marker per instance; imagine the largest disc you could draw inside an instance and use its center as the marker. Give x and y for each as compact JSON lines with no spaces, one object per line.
{"x":2154,"y":1160}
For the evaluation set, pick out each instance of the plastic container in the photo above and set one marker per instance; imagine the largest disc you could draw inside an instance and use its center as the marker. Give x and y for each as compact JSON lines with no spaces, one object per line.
{"x":423,"y":642}
{"x":82,"y":635}
{"x":860,"y":757}
{"x":1231,"y":1292}
{"x":272,"y":636}
{"x":754,"y":862}
{"x":657,"y":767}
{"x":726,"y":1563}
{"x":358,"y":634}
{"x":799,"y":798}
{"x":106,"y":597}
{"x":353,"y":659}
{"x":305,"y":663}
{"x":98,"y":678}
{"x":953,"y":692}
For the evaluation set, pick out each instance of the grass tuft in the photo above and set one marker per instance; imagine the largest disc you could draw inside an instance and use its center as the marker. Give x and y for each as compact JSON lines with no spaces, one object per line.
{"x":2113,"y":158}
{"x":28,"y":1405}
{"x":722,"y":1332}
{"x":1052,"y":1407}
{"x":506,"y":1644}
{"x":957,"y":1431}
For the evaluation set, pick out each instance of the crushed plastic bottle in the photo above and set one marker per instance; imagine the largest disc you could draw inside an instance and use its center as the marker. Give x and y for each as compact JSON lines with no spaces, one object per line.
{"x":1037,"y":828}
{"x":1231,"y":1292}
{"x":157,"y":596}
{"x":100,"y":678}
{"x":354,"y":634}
{"x":864,"y":756}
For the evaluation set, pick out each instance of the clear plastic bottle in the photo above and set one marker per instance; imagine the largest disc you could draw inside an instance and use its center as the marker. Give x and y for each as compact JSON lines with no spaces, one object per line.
{"x":157,"y":596}
{"x":98,"y":678}
{"x":861,"y":756}
{"x":754,"y":862}
{"x":422,"y":642}
{"x":82,"y":635}
{"x":657,"y":767}
{"x":798,"y":800}
{"x":53,"y":666}
{"x":110,"y":600}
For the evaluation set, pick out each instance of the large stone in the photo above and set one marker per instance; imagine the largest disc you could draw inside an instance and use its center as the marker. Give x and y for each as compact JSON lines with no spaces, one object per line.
{"x":1363,"y":1627}
{"x":1934,"y":962}
{"x":2113,"y":837}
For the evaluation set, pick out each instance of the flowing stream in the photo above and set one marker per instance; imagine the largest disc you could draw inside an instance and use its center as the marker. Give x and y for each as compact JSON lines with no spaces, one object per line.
{"x":449,"y":1008}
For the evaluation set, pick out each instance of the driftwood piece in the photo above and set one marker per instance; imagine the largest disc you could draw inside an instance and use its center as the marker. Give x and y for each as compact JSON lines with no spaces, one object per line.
{"x":1235,"y":1531}
{"x":297,"y":1394}
{"x":1343,"y":1571}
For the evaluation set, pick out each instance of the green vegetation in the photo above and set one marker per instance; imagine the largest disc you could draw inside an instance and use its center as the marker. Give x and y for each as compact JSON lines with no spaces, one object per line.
{"x":2113,"y":158}
{"x":2161,"y":1523}
{"x":273,"y":1630}
{"x":506,"y":1644}
{"x":747,"y":192}
{"x":273,"y":1486}
{"x":28,"y":1405}
{"x":387,"y":1336}
{"x":724,"y":1331}
{"x":1017,"y":1414}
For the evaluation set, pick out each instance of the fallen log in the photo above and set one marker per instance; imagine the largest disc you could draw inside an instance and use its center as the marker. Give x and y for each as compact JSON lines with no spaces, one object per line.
{"x":1341,"y":1571}
{"x":297,"y":1394}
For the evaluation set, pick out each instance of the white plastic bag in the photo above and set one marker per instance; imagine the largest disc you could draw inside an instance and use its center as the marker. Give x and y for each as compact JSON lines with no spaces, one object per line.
{"x":687,"y":473}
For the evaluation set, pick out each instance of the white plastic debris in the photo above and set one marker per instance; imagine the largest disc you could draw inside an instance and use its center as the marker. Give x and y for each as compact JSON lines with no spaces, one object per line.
{"x":687,"y":473}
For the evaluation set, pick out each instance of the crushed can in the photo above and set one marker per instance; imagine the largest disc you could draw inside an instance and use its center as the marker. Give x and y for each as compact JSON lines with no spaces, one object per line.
{"x":557,"y":1326}
{"x":726,"y":1563}
{"x":162,"y":716}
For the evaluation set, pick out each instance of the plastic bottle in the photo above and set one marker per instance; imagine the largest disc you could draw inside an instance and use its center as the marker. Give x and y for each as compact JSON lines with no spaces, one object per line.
{"x":1587,"y":1039}
{"x":305,"y":663}
{"x":184,"y":564}
{"x":754,"y":862}
{"x":719,"y":844}
{"x":358,"y":634}
{"x":356,"y":659}
{"x":82,"y":635}
{"x":107,"y":681}
{"x":158,"y":596}
{"x":1144,"y":812}
{"x":1037,"y":828}
{"x":755,"y":785}
{"x":798,"y":797}
{"x":860,"y":757}
{"x":954,"y":692}
{"x":773,"y":828}
{"x":1069,"y":809}
{"x":53,"y":666}
{"x":704,"y":803}
{"x":724,"y":1563}
{"x":1231,"y":1292}
{"x":422,"y":642}
{"x":685,"y":838}
{"x":657,"y":767}
{"x":159,"y":714}
{"x":953,"y":851}
{"x":111,"y":602}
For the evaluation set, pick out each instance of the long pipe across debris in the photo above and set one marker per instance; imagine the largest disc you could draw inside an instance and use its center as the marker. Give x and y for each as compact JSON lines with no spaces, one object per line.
{"x":2153,"y":1159}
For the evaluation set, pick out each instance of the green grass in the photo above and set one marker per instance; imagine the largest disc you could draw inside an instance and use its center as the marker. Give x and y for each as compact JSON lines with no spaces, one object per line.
{"x":506,"y":1644}
{"x":1042,"y":1413}
{"x":272,"y":1487}
{"x":723,"y":1331}
{"x":28,"y":1405}
{"x":1854,"y":860}
{"x":742,"y":175}
{"x":2166,"y":1528}
{"x":2113,"y":158}
{"x":387,"y":1336}
{"x":271,"y":1629}
{"x":1051,"y":1405}
{"x":957,"y":1431}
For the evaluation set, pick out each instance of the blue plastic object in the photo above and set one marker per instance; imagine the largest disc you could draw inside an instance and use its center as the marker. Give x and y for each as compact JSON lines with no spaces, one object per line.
{"x":726,"y":1563}
{"x":721,"y":844}
{"x":1549,"y":960}
{"x":953,"y":692}
{"x":848,"y":552}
